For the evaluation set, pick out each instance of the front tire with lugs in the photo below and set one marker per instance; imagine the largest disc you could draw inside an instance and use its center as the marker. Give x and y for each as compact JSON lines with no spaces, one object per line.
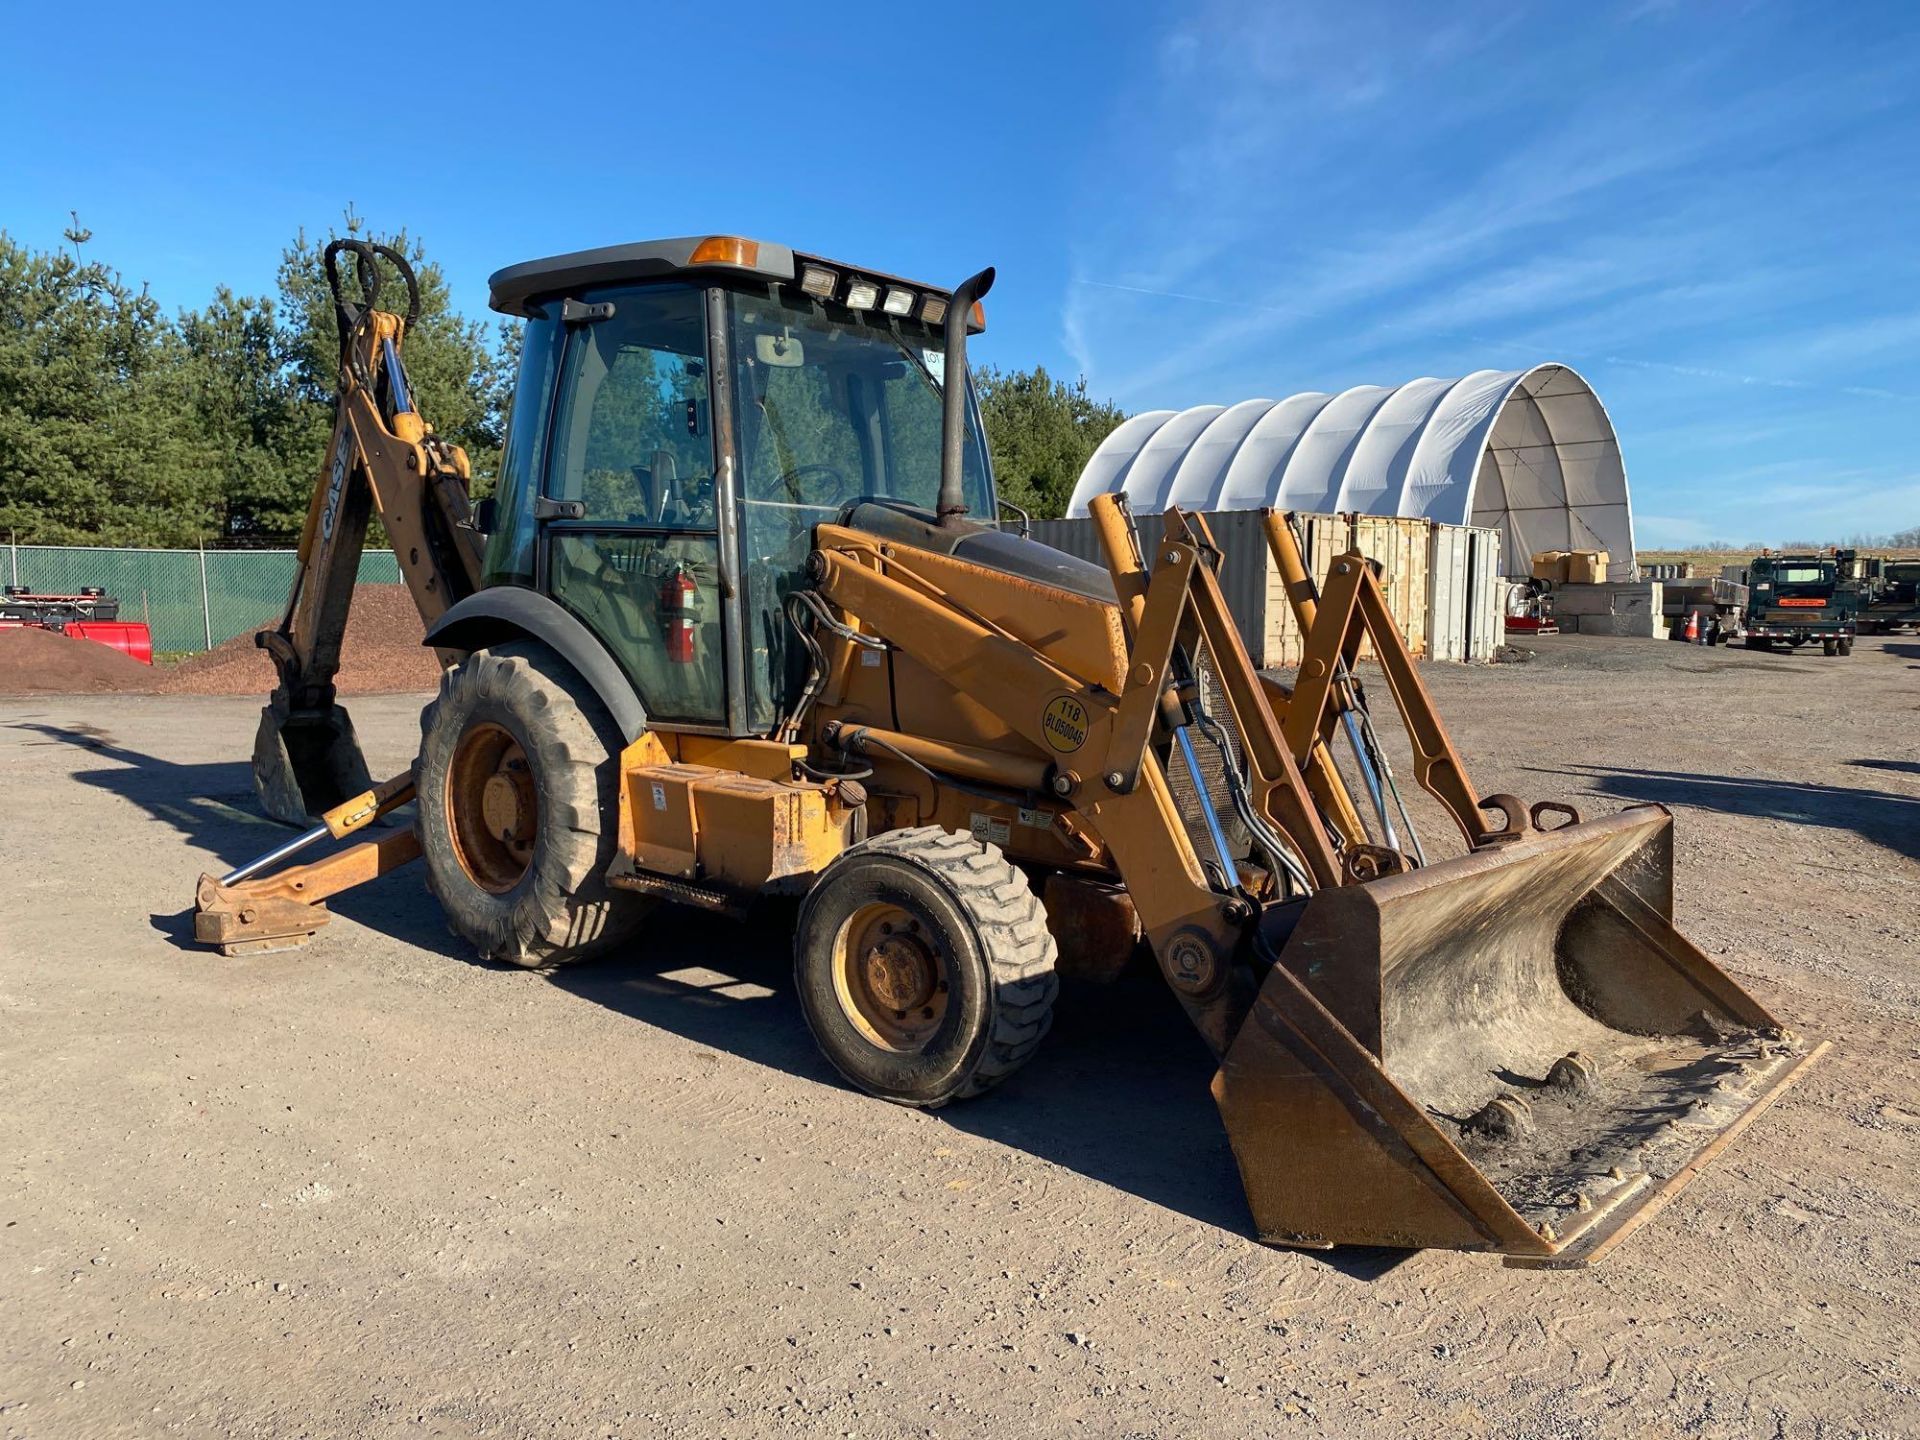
{"x":925,"y":967}
{"x":518,"y":793}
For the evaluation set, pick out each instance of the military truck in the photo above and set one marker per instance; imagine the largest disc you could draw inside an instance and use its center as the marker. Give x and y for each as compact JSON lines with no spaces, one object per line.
{"x":1797,"y":599}
{"x":1892,"y":595}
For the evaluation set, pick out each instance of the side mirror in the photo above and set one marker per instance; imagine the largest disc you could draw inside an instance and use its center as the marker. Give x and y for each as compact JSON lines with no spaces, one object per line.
{"x":1026,"y":520}
{"x":485,"y":513}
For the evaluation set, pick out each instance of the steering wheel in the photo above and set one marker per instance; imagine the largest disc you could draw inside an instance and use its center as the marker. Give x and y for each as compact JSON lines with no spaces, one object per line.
{"x":842,"y":489}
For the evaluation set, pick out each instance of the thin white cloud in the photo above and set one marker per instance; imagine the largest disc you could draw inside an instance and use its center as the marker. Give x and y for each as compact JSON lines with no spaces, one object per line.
{"x":1246,"y":126}
{"x":1302,"y":201}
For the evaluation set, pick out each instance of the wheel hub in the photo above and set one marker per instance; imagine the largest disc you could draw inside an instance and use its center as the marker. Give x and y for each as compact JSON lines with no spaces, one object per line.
{"x":493,"y":810}
{"x":901,"y":972}
{"x":890,"y":977}
{"x":506,"y":802}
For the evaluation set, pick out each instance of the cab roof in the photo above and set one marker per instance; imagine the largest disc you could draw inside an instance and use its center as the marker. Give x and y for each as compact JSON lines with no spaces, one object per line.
{"x":514,"y":290}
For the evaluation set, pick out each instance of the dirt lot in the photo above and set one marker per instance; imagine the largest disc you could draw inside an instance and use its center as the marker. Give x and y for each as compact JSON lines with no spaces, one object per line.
{"x":376,"y":1189}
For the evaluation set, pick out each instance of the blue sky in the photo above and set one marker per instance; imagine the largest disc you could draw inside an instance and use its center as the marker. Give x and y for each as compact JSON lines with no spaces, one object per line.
{"x":1712,"y":211}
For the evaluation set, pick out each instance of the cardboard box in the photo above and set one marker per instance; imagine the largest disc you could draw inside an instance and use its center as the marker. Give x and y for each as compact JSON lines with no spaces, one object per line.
{"x":1586,"y":567}
{"x":1550,"y":565}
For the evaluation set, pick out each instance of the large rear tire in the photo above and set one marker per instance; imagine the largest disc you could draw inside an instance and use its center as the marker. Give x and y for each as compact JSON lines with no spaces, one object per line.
{"x":518,"y":792}
{"x":925,"y":967}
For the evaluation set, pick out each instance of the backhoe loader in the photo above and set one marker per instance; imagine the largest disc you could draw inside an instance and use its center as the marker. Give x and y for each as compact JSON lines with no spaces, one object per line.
{"x":739,"y":622}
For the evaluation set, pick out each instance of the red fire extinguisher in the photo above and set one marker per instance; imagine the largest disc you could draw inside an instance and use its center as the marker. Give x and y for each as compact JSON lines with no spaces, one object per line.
{"x":676,"y":614}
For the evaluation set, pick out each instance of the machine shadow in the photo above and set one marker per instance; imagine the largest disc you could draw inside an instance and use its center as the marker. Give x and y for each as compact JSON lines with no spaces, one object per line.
{"x":1881,"y":816}
{"x":213,"y":808}
{"x":1118,"y":1092}
{"x":1898,"y":767}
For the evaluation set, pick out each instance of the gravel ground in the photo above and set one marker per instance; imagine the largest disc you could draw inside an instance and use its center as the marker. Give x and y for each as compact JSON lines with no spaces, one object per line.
{"x":375,"y":1189}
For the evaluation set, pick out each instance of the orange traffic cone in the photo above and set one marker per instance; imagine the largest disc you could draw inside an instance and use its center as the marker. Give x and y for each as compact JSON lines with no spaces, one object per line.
{"x":1693,"y":626}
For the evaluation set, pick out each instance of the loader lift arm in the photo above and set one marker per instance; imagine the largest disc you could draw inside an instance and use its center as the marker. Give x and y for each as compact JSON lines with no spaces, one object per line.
{"x":1511,"y":1049}
{"x":384,"y":458}
{"x":1334,"y":621}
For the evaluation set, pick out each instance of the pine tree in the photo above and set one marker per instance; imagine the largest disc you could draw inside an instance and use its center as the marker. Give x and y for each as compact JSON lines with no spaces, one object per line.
{"x":1041,"y":431}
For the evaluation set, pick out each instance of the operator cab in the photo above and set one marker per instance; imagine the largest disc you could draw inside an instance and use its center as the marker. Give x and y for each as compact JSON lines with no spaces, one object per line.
{"x":1804,"y":576}
{"x":687,"y":411}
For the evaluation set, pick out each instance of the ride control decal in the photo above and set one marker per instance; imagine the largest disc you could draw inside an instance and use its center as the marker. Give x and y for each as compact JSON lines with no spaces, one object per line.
{"x":1064,"y":723}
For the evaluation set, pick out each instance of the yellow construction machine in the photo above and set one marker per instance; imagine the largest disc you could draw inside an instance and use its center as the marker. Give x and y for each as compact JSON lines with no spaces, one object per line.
{"x":739,"y":622}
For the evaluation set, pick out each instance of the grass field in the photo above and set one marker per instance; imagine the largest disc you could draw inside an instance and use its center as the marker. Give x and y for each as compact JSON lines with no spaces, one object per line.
{"x":1708,"y":562}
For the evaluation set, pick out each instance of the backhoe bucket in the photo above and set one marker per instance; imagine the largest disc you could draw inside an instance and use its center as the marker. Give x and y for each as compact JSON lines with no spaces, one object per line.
{"x":305,"y":762}
{"x":1513,"y":1051}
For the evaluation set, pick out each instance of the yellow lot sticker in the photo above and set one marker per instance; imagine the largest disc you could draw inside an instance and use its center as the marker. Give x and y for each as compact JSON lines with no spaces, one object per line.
{"x":1064,"y":723}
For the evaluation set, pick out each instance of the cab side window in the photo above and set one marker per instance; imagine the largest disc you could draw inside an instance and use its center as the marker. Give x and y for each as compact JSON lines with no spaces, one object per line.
{"x":633,"y":439}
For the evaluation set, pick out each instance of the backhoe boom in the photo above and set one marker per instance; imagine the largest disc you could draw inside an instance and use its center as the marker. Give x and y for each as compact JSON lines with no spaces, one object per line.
{"x":384,"y":460}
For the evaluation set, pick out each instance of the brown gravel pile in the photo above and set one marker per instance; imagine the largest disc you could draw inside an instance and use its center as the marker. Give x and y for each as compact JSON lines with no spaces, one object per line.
{"x":380,"y":654}
{"x":45,"y":662}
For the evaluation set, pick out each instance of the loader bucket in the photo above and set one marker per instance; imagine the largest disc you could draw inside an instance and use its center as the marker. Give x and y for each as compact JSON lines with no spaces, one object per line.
{"x":1512,"y":1051}
{"x":305,"y":762}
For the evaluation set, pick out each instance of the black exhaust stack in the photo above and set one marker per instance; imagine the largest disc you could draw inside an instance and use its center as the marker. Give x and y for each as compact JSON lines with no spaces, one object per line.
{"x":952,"y":503}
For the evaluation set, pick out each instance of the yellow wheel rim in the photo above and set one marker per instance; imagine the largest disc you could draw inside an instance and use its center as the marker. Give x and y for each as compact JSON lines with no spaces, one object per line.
{"x":890,"y":976}
{"x":493,"y":813}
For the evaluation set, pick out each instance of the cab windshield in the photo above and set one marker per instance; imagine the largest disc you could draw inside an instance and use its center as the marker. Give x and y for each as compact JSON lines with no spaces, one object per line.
{"x":836,"y":406}
{"x":830,"y":406}
{"x":1802,"y":575}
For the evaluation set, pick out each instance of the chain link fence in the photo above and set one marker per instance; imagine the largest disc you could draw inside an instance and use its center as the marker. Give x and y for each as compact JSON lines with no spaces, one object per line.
{"x":192,"y":599}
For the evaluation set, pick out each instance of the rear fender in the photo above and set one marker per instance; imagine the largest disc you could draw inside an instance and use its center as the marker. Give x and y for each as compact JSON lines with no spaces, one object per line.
{"x":508,"y":612}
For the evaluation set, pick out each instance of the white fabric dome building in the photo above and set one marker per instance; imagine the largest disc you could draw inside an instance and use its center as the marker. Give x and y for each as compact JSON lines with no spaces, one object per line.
{"x":1530,"y":453}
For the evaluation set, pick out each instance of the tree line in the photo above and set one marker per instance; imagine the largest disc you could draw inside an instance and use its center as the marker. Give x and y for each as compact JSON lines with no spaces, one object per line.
{"x":1908,"y":539}
{"x":121,"y":424}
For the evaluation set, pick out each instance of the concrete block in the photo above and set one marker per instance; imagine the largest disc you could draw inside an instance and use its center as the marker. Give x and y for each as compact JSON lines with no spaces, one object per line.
{"x":1645,"y":597}
{"x":1625,"y":626}
{"x":1582,"y":600}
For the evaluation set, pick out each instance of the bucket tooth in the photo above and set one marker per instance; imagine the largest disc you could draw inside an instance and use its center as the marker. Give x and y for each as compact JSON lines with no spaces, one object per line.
{"x":1574,"y":1071}
{"x":1501,"y":1051}
{"x":1501,"y":1118}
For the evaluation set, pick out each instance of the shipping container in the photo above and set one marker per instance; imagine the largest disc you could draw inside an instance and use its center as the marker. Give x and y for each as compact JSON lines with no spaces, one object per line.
{"x":1321,"y":538}
{"x":1402,"y":550}
{"x":1486,"y":595}
{"x":1447,"y":593}
{"x":1435,"y":576}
